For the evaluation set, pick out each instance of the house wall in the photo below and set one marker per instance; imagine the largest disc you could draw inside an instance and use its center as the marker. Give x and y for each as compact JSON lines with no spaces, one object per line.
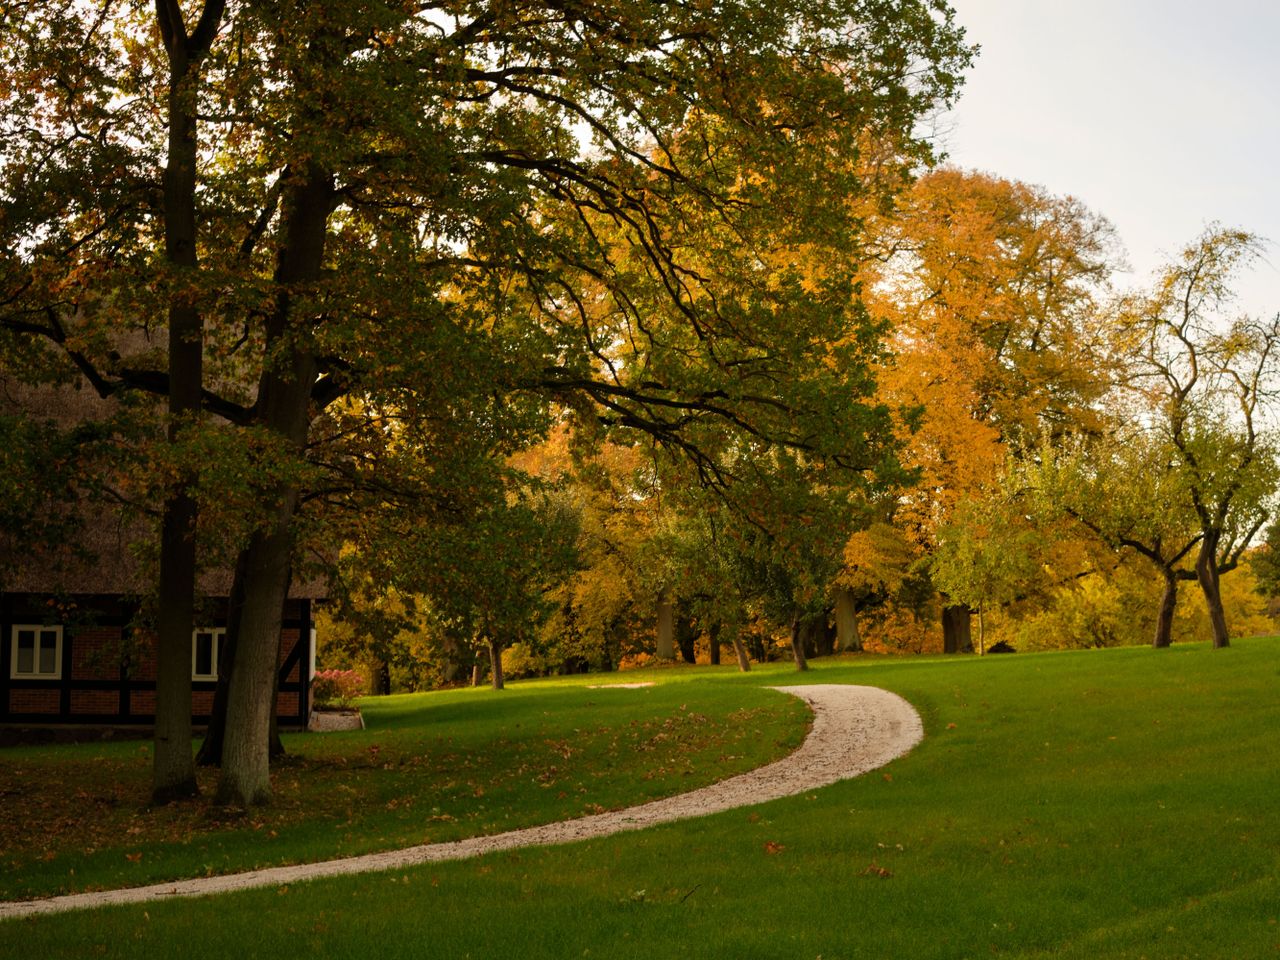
{"x":108,"y":666}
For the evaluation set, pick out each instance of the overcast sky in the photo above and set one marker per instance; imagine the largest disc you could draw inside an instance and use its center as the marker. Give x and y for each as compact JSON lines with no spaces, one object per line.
{"x":1162,"y":115}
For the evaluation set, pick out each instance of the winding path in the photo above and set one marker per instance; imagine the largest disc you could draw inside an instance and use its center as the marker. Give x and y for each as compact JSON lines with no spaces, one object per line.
{"x":855,"y":729}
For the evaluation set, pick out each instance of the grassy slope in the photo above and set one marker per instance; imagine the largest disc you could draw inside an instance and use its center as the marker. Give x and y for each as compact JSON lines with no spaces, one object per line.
{"x":1091,"y":805}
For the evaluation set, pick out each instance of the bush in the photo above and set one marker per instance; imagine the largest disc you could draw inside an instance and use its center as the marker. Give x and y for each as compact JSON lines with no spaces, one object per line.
{"x":336,"y":688}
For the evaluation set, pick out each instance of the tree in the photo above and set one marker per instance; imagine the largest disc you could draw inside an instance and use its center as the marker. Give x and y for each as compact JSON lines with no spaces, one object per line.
{"x":395,"y":204}
{"x":1123,"y":486}
{"x":991,"y":288}
{"x":1205,"y":378}
{"x":986,"y":556}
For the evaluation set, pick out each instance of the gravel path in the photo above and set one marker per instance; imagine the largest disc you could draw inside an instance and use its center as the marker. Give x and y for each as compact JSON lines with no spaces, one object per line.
{"x":855,"y":729}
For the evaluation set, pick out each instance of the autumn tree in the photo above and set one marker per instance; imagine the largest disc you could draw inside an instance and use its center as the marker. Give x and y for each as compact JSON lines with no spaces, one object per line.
{"x":992,"y":290}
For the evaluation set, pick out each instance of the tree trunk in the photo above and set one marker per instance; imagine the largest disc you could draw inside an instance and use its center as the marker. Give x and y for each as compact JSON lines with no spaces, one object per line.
{"x":666,"y":648}
{"x":847,"y":635}
{"x":1168,"y":604}
{"x":284,"y":399}
{"x":1207,"y":574}
{"x":824,"y":635}
{"x":687,"y":639}
{"x":713,"y":643}
{"x":495,"y":664}
{"x":174,"y":771}
{"x":744,"y":662}
{"x":210,"y":754}
{"x":476,"y":674}
{"x":957,"y":636}
{"x":797,"y":644}
{"x":982,"y":632}
{"x":246,"y":774}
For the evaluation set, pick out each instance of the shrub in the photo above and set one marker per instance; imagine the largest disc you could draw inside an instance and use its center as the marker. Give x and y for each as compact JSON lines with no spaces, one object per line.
{"x":336,"y":688}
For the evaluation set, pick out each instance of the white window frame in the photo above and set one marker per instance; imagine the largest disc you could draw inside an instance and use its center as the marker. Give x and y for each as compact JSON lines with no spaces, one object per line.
{"x":35,"y":673}
{"x":219,"y":637}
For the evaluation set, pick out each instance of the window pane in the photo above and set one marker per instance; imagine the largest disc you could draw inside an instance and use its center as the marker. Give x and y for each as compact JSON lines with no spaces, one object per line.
{"x":48,"y":652}
{"x":26,"y":651}
{"x":204,"y":655}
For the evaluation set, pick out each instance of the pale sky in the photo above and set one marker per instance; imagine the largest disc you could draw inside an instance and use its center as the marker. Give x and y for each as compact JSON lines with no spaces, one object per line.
{"x":1162,"y":115}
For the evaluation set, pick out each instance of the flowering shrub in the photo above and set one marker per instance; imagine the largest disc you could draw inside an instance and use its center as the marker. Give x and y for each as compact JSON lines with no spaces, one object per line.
{"x":336,"y":688}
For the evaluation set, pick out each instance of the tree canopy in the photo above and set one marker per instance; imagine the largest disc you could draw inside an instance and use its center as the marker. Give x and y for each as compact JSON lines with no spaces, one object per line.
{"x":422,"y":227}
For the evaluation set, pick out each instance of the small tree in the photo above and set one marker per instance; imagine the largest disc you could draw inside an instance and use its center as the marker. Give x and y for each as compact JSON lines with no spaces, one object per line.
{"x":986,"y":556}
{"x":1205,"y":378}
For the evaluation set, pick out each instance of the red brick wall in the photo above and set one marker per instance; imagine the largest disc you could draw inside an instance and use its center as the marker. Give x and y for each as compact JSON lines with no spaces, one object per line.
{"x":34,"y":701}
{"x":142,"y":702}
{"x":287,"y":705}
{"x":95,"y":701}
{"x":143,"y":658}
{"x":95,"y":653}
{"x":202,"y":702}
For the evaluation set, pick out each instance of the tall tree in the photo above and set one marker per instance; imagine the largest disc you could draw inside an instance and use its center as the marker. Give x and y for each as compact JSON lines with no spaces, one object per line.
{"x":185,"y":50}
{"x":991,"y":288}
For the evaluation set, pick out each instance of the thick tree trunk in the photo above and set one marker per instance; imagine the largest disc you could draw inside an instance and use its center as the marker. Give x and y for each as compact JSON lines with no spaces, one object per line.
{"x":797,"y":644}
{"x":495,"y":664}
{"x":246,"y":774}
{"x":1207,"y":574}
{"x":957,"y":635}
{"x":740,"y":651}
{"x":1168,"y":604}
{"x":284,"y":399}
{"x":174,"y":772}
{"x":847,"y":635}
{"x":665,"y":645}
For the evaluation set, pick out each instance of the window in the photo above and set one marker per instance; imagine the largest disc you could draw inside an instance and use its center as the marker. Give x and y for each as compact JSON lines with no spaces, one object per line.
{"x":206,"y":647}
{"x":37,"y":652}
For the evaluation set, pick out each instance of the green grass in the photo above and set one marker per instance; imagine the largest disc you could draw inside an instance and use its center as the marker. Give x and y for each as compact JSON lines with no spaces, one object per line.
{"x":428,"y":768}
{"x":1112,"y":804}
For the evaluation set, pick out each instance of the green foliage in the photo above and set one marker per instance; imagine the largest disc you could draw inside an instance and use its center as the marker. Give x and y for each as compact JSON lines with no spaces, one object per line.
{"x":1265,"y":563}
{"x":988,"y":554}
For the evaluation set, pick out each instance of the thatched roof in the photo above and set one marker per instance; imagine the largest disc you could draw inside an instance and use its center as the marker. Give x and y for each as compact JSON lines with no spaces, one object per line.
{"x":113,"y":546}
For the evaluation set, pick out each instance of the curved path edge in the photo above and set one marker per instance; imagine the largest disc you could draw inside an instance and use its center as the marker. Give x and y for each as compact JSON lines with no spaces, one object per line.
{"x":855,"y":729}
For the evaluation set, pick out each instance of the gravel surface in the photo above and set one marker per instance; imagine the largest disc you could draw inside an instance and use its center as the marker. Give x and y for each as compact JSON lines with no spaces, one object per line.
{"x":855,"y":729}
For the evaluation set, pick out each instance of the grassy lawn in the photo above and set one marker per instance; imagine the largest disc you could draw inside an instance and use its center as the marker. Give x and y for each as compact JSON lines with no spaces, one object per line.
{"x":1111,"y":804}
{"x":428,"y":768}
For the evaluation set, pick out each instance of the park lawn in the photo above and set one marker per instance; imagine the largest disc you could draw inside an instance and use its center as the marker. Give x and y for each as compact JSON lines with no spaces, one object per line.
{"x":430,"y":767}
{"x":1103,"y":804}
